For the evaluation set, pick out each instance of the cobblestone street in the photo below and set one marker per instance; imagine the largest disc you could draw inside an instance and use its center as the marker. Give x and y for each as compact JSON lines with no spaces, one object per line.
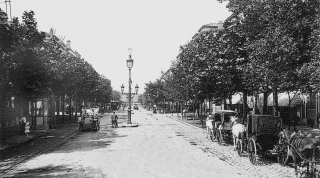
{"x":265,"y":168}
{"x":162,"y":146}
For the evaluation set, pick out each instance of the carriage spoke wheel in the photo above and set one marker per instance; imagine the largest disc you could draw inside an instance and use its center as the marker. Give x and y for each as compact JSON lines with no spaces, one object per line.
{"x":96,"y":125}
{"x":283,"y":155}
{"x":219,"y":137}
{"x":81,"y":127}
{"x":212,"y":136}
{"x":239,"y":148}
{"x":252,"y":151}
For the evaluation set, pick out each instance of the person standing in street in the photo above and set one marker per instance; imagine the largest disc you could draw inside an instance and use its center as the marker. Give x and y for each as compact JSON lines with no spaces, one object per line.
{"x":23,"y":122}
{"x":114,"y":120}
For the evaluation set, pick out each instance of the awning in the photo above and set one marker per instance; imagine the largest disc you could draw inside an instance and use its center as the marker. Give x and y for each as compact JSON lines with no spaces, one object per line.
{"x":238,"y":99}
{"x":283,"y":99}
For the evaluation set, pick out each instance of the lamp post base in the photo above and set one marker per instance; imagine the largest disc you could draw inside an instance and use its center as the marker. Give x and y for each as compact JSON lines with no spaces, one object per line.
{"x":128,"y":125}
{"x":129,"y":116}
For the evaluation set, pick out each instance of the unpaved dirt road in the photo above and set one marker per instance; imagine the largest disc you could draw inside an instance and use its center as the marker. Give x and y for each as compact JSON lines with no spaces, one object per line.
{"x":154,"y":149}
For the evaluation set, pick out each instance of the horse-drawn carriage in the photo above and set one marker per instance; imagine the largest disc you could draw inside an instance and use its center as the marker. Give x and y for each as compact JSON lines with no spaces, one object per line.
{"x":260,"y":137}
{"x":219,"y":125}
{"x":304,"y":150}
{"x":89,"y":118}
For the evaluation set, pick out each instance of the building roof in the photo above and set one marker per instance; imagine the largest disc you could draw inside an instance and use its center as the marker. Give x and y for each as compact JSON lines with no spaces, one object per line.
{"x":211,"y":26}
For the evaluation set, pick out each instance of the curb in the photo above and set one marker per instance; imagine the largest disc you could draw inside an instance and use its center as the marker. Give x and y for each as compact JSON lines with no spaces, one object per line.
{"x":202,"y":129}
{"x":130,"y":125}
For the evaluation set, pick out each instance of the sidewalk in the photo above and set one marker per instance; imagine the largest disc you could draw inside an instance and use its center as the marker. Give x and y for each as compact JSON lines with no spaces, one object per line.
{"x":16,"y":140}
{"x":197,"y":123}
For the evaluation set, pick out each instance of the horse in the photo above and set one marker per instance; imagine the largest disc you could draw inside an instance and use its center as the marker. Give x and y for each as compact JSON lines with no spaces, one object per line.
{"x":237,"y":129}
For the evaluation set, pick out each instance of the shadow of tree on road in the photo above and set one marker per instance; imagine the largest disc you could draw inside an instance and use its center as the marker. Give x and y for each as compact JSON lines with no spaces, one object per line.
{"x":90,"y":140}
{"x":58,"y":171}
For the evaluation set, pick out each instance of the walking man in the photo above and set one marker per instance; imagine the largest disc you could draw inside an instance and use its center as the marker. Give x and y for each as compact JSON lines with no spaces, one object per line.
{"x":114,"y":120}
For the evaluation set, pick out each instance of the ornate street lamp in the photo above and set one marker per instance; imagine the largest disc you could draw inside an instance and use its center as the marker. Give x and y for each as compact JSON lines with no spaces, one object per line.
{"x":122,"y":88}
{"x":137,"y":88}
{"x":129,"y":94}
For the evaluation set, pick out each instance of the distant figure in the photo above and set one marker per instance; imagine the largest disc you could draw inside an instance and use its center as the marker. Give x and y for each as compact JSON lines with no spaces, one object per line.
{"x":184,"y":112}
{"x":114,"y":120}
{"x":154,"y":109}
{"x":23,"y":122}
{"x":196,"y":114}
{"x":27,"y":129}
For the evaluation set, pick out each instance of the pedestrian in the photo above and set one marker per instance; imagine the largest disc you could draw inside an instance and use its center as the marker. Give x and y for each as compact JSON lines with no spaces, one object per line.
{"x":27,"y":129}
{"x":114,"y":120}
{"x":23,"y":122}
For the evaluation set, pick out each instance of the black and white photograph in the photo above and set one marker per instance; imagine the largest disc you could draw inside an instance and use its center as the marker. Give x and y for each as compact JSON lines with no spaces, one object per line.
{"x":160,"y":88}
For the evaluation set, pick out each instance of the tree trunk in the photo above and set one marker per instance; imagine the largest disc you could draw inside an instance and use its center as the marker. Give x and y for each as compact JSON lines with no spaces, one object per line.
{"x":256,"y":109}
{"x":193,"y":111}
{"x":209,"y":107}
{"x":265,"y":103}
{"x":230,"y":102}
{"x":245,"y":104}
{"x":70,"y":109}
{"x":2,"y":108}
{"x":58,"y":107}
{"x":76,"y":108}
{"x":275,"y":101}
{"x":62,"y":107}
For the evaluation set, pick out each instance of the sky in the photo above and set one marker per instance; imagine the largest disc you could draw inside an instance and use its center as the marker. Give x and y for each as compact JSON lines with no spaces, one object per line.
{"x":103,"y":30}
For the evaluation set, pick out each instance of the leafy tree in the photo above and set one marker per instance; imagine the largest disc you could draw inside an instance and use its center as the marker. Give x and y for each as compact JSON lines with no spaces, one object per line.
{"x":116,"y":95}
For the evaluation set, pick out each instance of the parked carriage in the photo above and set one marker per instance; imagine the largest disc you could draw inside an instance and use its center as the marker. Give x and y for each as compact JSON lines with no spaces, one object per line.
{"x":260,"y":138}
{"x":222,"y":125}
{"x":89,"y":118}
{"x":304,"y":149}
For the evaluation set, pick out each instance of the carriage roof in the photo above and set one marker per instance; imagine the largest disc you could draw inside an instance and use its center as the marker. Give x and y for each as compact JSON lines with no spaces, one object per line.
{"x":263,"y":124}
{"x":226,"y":115}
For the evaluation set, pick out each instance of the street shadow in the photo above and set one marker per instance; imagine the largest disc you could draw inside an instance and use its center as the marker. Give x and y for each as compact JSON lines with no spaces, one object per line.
{"x":58,"y":171}
{"x":90,"y":140}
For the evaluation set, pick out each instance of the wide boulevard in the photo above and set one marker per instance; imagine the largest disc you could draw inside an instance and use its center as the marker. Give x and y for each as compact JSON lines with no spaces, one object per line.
{"x":160,"y":146}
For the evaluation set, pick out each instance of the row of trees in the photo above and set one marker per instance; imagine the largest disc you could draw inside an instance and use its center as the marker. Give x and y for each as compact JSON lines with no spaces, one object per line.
{"x":265,"y":46}
{"x":32,"y":66}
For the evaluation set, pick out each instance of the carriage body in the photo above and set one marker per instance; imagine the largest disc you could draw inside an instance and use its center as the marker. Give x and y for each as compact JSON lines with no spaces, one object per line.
{"x":261,"y":135}
{"x":222,"y":125}
{"x":89,"y":119}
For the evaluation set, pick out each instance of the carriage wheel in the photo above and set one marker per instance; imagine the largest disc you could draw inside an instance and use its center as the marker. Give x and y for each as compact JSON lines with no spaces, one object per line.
{"x":96,"y":125}
{"x":239,"y":148}
{"x":252,"y":151}
{"x":283,"y":155}
{"x":81,"y":127}
{"x":212,"y":135}
{"x":219,"y":137}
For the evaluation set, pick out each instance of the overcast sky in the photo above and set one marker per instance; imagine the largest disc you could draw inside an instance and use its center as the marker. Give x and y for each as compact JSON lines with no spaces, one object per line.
{"x":103,"y":30}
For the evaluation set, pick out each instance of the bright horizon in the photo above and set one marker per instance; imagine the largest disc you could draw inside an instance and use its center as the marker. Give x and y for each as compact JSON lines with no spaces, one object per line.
{"x":102,"y":31}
